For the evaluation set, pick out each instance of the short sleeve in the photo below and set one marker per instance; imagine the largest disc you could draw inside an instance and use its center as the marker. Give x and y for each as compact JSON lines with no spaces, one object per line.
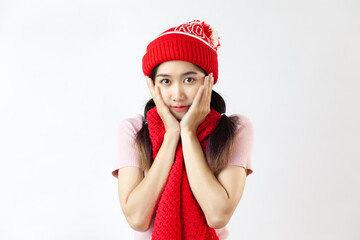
{"x":126,"y":152}
{"x":242,"y":152}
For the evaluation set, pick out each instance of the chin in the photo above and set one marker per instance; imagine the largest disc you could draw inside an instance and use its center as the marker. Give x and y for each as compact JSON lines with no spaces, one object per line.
{"x":178,"y":116}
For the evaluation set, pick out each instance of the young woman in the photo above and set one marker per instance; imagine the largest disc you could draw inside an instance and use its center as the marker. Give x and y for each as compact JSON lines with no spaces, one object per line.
{"x":182,"y":166}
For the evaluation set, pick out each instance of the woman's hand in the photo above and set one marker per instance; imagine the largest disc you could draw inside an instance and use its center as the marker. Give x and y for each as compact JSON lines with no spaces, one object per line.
{"x":200,"y":107}
{"x":170,"y":122}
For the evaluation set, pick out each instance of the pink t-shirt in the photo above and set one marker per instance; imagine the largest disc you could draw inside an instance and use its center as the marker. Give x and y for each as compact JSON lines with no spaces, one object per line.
{"x":127,"y":155}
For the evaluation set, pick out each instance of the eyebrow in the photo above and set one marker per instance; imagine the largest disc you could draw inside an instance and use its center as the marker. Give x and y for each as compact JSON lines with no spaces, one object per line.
{"x":183,"y":74}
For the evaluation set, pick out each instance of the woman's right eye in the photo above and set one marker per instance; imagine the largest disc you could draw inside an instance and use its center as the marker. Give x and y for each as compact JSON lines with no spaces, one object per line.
{"x":165,"y":81}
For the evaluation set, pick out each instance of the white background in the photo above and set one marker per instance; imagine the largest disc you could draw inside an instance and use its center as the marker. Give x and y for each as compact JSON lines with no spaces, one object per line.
{"x":70,"y":71}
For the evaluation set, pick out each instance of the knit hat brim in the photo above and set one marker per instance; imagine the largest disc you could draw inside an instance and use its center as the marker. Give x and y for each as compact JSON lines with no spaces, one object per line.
{"x":175,"y":46}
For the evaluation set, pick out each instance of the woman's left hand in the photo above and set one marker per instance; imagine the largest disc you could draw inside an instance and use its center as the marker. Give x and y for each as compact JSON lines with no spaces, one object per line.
{"x":200,"y":107}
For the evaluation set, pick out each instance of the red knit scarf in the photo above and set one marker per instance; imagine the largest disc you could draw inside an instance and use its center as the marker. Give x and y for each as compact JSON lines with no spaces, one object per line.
{"x":178,"y":215}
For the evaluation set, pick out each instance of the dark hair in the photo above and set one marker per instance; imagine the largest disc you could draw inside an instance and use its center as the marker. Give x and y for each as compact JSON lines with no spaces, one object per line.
{"x":220,"y":141}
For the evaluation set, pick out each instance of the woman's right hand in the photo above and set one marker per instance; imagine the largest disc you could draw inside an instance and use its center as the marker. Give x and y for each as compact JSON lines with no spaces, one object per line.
{"x":170,"y":122}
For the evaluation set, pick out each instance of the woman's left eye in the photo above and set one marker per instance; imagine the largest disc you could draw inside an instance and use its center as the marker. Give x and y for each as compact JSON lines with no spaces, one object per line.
{"x":189,"y":80}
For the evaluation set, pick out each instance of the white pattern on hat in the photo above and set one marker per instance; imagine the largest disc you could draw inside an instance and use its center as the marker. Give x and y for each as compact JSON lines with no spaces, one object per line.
{"x":189,"y":34}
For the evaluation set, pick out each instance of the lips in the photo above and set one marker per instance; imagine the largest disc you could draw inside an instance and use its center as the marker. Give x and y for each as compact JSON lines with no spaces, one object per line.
{"x":180,"y":108}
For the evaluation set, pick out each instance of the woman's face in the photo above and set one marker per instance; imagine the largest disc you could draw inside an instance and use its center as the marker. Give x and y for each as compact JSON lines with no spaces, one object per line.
{"x":178,"y":82}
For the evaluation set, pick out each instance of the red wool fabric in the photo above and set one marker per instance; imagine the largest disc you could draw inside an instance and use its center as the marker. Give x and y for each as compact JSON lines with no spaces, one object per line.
{"x":194,"y":42}
{"x":178,"y":214}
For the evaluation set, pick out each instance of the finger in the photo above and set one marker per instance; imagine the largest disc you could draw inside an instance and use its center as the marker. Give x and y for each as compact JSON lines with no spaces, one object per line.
{"x":199,"y":96}
{"x":205,"y":86}
{"x":210,"y":87}
{"x":205,"y":96}
{"x":159,"y":99}
{"x":153,"y":92}
{"x":211,"y":81}
{"x":150,"y":86}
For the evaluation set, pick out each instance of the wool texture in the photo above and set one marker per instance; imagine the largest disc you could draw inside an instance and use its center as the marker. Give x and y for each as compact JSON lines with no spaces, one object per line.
{"x":178,"y":214}
{"x":193,"y":41}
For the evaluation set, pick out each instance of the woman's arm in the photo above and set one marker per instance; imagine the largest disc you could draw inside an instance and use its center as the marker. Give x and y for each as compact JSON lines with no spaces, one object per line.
{"x":217,"y":196}
{"x":138,"y":194}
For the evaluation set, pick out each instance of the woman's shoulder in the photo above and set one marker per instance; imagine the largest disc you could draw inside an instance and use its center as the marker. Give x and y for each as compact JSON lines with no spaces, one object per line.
{"x":242,"y":153}
{"x":126,"y":132}
{"x":131,"y":125}
{"x":242,"y":121}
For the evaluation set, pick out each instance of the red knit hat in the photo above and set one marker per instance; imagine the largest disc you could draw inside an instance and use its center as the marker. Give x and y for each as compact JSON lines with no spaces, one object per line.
{"x":194,"y":42}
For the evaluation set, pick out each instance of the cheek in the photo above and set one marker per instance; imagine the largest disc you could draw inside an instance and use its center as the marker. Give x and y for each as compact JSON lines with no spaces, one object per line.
{"x":164,"y":94}
{"x":192,"y":93}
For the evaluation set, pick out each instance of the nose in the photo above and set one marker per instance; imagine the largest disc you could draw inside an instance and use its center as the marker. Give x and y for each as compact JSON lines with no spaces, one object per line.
{"x":178,"y":93}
